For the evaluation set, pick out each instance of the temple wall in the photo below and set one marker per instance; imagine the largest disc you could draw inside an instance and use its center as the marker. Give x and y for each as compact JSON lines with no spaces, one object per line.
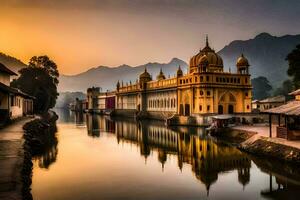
{"x":164,"y":101}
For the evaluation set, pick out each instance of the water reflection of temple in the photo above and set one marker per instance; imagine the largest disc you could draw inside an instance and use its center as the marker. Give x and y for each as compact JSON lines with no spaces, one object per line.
{"x":206,"y":157}
{"x":96,"y":124}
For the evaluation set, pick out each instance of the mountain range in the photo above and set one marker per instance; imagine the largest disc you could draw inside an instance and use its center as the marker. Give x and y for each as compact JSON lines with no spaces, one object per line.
{"x":107,"y":77}
{"x":266,"y":55}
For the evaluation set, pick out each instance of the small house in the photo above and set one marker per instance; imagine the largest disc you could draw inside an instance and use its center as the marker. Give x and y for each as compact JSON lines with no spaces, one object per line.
{"x":13,"y":102}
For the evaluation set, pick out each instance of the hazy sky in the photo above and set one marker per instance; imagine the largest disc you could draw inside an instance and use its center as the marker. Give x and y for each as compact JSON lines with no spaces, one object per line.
{"x":79,"y":34}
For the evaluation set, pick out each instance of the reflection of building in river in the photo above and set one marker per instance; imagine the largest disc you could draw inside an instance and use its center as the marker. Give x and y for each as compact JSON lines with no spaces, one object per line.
{"x":207,"y":158}
{"x":95,"y":124}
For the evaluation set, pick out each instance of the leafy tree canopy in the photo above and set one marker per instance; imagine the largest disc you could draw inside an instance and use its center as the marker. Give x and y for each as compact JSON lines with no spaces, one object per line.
{"x":285,"y":89}
{"x":261,"y":88}
{"x":40,"y":80}
{"x":293,"y":59}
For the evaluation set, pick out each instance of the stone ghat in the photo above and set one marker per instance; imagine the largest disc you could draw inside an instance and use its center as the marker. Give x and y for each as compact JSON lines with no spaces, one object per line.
{"x":263,"y":147}
{"x":253,"y":143}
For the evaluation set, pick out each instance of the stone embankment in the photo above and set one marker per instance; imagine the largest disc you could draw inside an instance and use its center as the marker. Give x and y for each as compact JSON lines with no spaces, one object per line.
{"x":39,"y":133}
{"x":262,"y":146}
{"x":256,"y":144}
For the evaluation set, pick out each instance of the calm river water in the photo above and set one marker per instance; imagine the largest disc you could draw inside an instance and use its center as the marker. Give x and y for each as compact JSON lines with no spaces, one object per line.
{"x":97,"y":157}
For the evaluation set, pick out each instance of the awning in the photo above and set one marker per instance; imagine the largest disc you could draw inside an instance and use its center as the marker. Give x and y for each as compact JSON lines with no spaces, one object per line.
{"x":223,"y":117}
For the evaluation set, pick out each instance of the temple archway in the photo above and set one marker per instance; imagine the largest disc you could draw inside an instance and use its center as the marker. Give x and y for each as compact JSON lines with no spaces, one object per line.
{"x":230,"y":109}
{"x":220,"y":109}
{"x":227,"y":103}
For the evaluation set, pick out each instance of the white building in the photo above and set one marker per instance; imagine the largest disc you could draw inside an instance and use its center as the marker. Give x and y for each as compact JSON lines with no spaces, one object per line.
{"x":13,"y":102}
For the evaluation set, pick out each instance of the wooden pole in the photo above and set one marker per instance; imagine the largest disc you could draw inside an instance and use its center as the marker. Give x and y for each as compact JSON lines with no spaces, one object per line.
{"x":270,"y":124}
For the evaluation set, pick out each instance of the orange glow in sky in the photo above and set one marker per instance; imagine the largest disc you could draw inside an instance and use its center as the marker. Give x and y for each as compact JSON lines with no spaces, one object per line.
{"x":84,"y":36}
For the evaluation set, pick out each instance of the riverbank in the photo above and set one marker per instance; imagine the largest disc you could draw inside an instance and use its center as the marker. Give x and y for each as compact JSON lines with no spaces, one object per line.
{"x":39,"y":135}
{"x":255,"y":140}
{"x":11,"y":159}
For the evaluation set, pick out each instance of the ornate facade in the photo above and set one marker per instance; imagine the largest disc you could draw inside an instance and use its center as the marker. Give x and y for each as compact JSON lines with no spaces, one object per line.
{"x":205,"y":89}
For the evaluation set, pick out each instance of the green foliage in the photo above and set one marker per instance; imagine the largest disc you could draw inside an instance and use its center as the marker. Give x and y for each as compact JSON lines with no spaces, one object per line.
{"x":40,"y":80}
{"x":293,"y":59}
{"x":261,"y":88}
{"x":285,"y":89}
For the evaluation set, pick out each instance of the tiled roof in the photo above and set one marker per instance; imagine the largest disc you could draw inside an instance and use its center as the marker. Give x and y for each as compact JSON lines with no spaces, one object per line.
{"x":273,"y":99}
{"x":12,"y":90}
{"x":4,"y":69}
{"x":291,"y":108}
{"x":296,"y":92}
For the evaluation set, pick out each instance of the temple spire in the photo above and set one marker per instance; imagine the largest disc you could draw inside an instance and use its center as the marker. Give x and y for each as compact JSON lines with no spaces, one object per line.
{"x":206,"y":40}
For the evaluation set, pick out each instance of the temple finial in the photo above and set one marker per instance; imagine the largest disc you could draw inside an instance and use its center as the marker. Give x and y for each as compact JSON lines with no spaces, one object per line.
{"x":207,"y":40}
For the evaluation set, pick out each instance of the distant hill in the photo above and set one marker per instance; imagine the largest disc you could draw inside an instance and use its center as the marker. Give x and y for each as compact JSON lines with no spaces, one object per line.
{"x":266,"y":54}
{"x":12,"y":63}
{"x":107,"y":77}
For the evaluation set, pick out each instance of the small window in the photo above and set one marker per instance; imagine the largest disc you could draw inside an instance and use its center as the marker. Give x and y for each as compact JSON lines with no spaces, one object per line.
{"x":208,"y":107}
{"x":246,"y":94}
{"x":201,"y":92}
{"x":248,"y":107}
{"x":208,"y":93}
{"x":246,"y":80}
{"x":201,"y":78}
{"x":217,"y":79}
{"x":200,"y":107}
{"x":207,"y":78}
{"x":238,"y":80}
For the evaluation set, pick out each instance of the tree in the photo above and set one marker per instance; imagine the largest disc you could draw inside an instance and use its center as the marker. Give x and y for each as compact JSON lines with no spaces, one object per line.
{"x":39,"y":79}
{"x":285,"y":89}
{"x":293,"y":59}
{"x":261,"y":87}
{"x":47,"y":64}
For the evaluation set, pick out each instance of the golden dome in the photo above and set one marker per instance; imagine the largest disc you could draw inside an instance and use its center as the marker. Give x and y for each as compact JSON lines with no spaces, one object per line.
{"x":161,"y":75}
{"x":242,"y":61}
{"x":213,"y":59}
{"x":203,"y":60}
{"x":145,"y":74}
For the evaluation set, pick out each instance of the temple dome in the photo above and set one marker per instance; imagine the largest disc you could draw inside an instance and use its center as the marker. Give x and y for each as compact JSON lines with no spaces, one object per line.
{"x":203,"y":60}
{"x":161,"y":75}
{"x":145,"y":74}
{"x":242,"y":61}
{"x":213,"y":59}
